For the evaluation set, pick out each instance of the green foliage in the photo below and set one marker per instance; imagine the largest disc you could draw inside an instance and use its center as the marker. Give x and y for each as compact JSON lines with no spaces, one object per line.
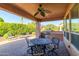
{"x":75,"y":27}
{"x":7,"y":35}
{"x":1,"y":19}
{"x":51,"y":27}
{"x":16,"y":29}
{"x":3,"y":28}
{"x":13,"y":29}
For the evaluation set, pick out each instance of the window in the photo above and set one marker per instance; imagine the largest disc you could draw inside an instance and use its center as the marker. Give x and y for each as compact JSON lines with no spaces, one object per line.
{"x":66,"y":28}
{"x":75,"y":26}
{"x":75,"y":19}
{"x":65,"y":25}
{"x":66,"y":34}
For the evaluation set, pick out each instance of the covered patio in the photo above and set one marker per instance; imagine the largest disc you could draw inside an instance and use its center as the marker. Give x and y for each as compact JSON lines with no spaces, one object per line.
{"x":20,"y":47}
{"x":59,"y":11}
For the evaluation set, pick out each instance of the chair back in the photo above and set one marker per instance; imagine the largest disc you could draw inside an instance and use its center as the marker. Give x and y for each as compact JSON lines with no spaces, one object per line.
{"x":56,"y":41}
{"x":28,"y":42}
{"x":42,"y":35}
{"x":38,"y":50}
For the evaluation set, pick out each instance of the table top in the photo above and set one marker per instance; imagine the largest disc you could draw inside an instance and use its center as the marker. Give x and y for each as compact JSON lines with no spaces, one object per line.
{"x":40,"y":41}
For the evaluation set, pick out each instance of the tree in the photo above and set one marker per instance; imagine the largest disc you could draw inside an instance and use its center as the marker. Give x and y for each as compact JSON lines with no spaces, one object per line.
{"x":75,"y":27}
{"x":1,"y":19}
{"x":22,"y":20}
{"x":51,"y":27}
{"x":16,"y":29}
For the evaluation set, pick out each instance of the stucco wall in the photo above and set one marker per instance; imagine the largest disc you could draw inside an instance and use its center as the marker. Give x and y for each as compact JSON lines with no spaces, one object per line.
{"x":72,"y":50}
{"x":58,"y":34}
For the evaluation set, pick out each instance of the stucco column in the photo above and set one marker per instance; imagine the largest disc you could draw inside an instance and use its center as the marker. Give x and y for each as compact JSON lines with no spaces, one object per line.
{"x":37,"y":29}
{"x":60,"y":27}
{"x":70,"y":27}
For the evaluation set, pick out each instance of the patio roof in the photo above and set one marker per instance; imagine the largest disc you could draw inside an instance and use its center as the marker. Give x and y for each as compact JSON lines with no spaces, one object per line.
{"x":27,"y":10}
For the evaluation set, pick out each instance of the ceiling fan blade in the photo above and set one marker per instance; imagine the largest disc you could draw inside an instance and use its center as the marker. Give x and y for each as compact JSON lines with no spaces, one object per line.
{"x":36,"y":13}
{"x":42,"y":14}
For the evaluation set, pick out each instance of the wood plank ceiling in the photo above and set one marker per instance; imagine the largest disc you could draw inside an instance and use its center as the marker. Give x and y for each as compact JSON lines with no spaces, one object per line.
{"x":29,"y":9}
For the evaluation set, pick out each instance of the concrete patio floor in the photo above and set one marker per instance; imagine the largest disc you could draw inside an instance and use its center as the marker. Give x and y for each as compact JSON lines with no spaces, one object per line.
{"x":19,"y":48}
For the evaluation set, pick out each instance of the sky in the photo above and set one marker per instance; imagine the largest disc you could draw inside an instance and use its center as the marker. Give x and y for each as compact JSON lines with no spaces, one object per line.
{"x":12,"y":18}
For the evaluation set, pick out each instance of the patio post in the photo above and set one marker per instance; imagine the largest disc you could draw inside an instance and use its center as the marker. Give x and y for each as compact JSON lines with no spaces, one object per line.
{"x":70,"y":27}
{"x":37,"y":29}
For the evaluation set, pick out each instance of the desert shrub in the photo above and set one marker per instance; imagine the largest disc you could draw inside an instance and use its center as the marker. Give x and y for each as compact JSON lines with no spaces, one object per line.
{"x":1,"y":19}
{"x":16,"y":29}
{"x":3,"y":28}
{"x":7,"y":35}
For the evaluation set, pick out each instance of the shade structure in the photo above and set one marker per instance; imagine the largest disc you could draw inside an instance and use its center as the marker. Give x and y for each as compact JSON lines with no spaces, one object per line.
{"x":57,"y":10}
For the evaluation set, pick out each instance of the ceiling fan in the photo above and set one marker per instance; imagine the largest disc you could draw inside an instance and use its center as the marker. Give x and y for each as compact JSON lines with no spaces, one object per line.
{"x":41,"y":11}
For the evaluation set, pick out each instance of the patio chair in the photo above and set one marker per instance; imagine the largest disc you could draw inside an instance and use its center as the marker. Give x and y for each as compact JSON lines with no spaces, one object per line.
{"x":42,"y":35}
{"x":38,"y":50}
{"x":56,"y":41}
{"x":29,"y":51}
{"x":27,"y":42}
{"x":51,"y":48}
{"x":35,"y":50}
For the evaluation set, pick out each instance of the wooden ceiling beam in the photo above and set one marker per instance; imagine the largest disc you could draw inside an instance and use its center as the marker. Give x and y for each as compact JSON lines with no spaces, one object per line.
{"x":49,"y":20}
{"x":16,"y":10}
{"x":69,"y":9}
{"x":21,"y":12}
{"x":54,"y":19}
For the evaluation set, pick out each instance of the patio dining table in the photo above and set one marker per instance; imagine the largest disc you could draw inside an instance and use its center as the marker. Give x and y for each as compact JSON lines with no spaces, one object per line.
{"x":40,"y":41}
